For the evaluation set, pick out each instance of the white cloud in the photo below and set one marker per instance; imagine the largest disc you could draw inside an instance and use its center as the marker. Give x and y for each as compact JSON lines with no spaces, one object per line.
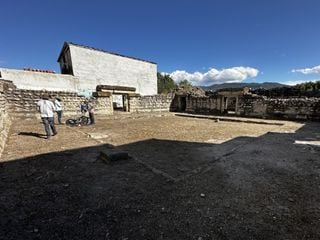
{"x":294,"y":82}
{"x":214,"y":76}
{"x":315,"y":69}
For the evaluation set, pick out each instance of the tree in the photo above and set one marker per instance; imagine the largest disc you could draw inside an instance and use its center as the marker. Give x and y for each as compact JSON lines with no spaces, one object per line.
{"x":165,"y":84}
{"x":308,"y":86}
{"x":185,"y":84}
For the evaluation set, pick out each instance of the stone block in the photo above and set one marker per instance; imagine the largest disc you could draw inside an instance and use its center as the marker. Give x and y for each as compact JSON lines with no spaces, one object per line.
{"x":101,"y":94}
{"x":112,"y":155}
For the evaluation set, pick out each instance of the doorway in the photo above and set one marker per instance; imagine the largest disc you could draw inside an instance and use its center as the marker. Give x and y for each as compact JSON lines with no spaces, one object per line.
{"x":119,"y":102}
{"x":183,"y":104}
{"x":230,"y":105}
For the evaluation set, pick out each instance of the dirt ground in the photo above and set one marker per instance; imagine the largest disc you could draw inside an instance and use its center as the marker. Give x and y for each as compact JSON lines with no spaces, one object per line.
{"x":188,"y":177}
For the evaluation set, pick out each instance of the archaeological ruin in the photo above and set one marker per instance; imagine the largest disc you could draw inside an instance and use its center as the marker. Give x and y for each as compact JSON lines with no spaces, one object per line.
{"x":121,"y":83}
{"x":155,"y":166}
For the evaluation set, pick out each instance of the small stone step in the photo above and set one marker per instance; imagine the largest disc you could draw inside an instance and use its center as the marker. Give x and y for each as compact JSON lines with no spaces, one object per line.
{"x":112,"y":155}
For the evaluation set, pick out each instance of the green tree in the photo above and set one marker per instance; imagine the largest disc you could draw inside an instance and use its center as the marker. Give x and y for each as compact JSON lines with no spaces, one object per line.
{"x":308,"y":86}
{"x":165,"y":84}
{"x":185,"y":84}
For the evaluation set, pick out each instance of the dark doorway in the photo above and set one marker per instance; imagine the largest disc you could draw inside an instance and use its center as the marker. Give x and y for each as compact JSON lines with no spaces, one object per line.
{"x":183,"y":104}
{"x":230,"y":105}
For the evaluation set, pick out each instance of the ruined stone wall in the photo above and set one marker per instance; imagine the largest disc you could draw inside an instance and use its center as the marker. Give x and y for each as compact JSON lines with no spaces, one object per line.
{"x":5,"y":120}
{"x":202,"y":104}
{"x":252,"y":106}
{"x":23,"y":102}
{"x":155,"y":103}
{"x":259,"y":106}
{"x":293,"y":108}
{"x":284,"y":108}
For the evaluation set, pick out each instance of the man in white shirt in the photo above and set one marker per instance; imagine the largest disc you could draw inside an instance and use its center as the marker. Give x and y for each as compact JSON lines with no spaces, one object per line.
{"x":47,"y":108}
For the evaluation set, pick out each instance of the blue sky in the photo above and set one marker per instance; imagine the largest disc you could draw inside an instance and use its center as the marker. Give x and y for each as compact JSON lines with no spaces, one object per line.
{"x":203,"y":41}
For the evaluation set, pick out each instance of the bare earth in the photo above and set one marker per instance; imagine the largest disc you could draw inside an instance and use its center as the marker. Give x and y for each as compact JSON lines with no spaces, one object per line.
{"x":188,"y":177}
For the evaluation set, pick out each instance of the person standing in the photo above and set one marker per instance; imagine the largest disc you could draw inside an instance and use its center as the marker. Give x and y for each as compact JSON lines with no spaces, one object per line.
{"x":83,"y":107}
{"x":91,"y":111}
{"x":46,"y":109}
{"x":59,"y":107}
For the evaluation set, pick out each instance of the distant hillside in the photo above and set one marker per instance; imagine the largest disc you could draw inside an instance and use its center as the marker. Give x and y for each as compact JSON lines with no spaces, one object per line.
{"x":265,"y":85}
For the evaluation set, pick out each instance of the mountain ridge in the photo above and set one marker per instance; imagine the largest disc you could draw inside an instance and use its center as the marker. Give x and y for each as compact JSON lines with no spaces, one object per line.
{"x":253,"y":85}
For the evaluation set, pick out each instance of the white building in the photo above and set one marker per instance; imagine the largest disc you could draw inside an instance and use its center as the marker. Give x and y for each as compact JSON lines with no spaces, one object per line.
{"x":97,"y":67}
{"x":83,"y":68}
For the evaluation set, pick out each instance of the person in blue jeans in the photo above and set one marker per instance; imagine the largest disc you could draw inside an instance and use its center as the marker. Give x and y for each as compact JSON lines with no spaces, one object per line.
{"x":46,"y":109}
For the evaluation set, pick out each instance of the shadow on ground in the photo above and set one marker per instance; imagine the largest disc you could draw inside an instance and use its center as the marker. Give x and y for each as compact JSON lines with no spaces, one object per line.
{"x":247,"y":188}
{"x":32,"y":134}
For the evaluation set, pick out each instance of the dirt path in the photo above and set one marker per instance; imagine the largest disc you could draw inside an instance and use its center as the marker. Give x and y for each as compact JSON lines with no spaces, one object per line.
{"x":27,"y":138}
{"x":187,"y":178}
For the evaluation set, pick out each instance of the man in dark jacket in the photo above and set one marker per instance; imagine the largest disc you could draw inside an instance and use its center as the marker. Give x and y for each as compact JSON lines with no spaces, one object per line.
{"x":91,"y":111}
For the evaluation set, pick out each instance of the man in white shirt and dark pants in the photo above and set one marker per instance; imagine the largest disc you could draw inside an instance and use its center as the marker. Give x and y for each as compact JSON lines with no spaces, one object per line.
{"x":47,"y":108}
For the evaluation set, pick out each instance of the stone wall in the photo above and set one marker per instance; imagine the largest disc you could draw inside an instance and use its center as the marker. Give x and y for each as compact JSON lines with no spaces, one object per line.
{"x":204,"y":105}
{"x":284,"y":108}
{"x":253,"y":106}
{"x":293,"y":108}
{"x":257,"y":106}
{"x":5,"y":120}
{"x":156,"y":103}
{"x":23,"y":102}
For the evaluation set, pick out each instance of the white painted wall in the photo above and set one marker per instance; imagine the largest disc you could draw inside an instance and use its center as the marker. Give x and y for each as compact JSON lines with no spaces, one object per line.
{"x":118,"y":100}
{"x":94,"y":67}
{"x":40,"y":81}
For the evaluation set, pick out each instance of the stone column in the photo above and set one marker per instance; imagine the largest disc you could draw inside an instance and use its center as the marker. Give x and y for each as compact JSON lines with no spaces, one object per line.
{"x":236,"y":109}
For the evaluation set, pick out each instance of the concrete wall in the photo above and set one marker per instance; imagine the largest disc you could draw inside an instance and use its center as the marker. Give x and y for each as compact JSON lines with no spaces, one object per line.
{"x":156,"y":103}
{"x":95,"y":67}
{"x":40,"y":81}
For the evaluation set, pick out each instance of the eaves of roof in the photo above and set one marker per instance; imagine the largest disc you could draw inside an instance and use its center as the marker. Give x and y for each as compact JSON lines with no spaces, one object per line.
{"x":66,"y":44}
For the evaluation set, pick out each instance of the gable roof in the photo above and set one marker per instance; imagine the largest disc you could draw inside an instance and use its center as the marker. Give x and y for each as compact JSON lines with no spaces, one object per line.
{"x":66,"y":45}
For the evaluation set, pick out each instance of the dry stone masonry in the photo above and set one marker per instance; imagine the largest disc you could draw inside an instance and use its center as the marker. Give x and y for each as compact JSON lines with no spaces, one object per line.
{"x":21,"y":102}
{"x":5,"y":120}
{"x":156,"y":103}
{"x":250,"y":105}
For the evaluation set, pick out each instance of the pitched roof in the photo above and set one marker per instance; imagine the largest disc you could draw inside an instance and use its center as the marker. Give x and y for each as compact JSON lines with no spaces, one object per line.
{"x":66,"y":44}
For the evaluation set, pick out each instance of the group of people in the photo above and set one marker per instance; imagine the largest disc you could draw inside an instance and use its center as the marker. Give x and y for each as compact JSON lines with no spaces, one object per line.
{"x":48,"y":105}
